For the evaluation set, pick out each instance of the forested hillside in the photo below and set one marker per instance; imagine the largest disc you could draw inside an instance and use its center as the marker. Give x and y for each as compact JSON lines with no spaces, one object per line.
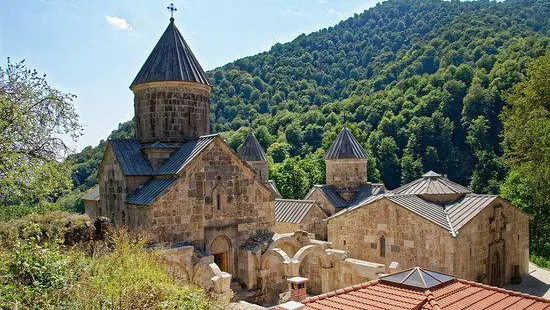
{"x":420,"y":83}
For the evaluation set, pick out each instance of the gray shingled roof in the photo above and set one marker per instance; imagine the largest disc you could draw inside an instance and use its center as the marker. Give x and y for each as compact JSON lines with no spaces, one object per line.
{"x":462,"y":211}
{"x":431,"y":183}
{"x":363,"y":192}
{"x":171,"y":60}
{"x":150,"y":191}
{"x":345,"y":146}
{"x":452,"y":217}
{"x":92,"y":194}
{"x":292,"y":210}
{"x":418,"y":278}
{"x":185,"y":155}
{"x":251,"y":150}
{"x":130,"y":158}
{"x":424,"y":208}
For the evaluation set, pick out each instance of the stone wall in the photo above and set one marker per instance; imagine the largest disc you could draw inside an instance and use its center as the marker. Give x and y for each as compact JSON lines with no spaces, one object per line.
{"x":262,"y":171}
{"x":405,"y":237}
{"x":171,"y":111}
{"x":489,"y":228}
{"x":346,"y":173}
{"x":317,"y":195}
{"x":312,"y":223}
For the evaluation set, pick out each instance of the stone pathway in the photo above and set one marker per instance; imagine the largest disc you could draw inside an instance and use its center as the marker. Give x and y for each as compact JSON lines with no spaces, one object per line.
{"x":537,"y":282}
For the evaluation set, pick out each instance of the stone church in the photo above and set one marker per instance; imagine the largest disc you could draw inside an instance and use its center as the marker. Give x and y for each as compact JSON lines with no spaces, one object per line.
{"x":225,"y":228}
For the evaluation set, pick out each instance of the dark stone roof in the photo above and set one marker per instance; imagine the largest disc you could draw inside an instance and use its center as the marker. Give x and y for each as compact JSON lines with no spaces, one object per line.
{"x":292,"y":210}
{"x":130,"y":158}
{"x":149,"y":192}
{"x":185,"y":155}
{"x":431,"y":183}
{"x":362,"y":193}
{"x":345,"y":146}
{"x":251,"y":150}
{"x":171,"y":60}
{"x":418,"y":279}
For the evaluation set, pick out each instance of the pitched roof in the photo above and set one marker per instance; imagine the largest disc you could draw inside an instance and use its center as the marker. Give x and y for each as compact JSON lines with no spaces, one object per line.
{"x":92,"y":194}
{"x":292,"y":210}
{"x":185,"y":155}
{"x":149,"y":192}
{"x":345,"y":146}
{"x":363,"y":193}
{"x":432,"y":183}
{"x":251,"y":150}
{"x":171,"y":60}
{"x":130,"y":158}
{"x":449,"y":293}
{"x":451,"y":217}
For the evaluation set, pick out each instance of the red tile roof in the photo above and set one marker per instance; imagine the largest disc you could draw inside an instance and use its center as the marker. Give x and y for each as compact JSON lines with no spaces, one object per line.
{"x":456,"y":294}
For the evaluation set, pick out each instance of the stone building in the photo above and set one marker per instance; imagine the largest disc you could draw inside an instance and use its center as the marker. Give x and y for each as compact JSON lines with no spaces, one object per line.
{"x":293,"y":215}
{"x":437,"y":224}
{"x":346,"y":176}
{"x":175,"y":180}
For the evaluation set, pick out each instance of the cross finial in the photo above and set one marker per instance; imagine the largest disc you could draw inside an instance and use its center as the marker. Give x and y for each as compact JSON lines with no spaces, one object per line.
{"x":172,"y":9}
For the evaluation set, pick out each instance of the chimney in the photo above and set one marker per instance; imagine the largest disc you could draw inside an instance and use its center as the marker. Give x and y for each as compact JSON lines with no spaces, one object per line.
{"x":291,"y":305}
{"x":298,"y":286}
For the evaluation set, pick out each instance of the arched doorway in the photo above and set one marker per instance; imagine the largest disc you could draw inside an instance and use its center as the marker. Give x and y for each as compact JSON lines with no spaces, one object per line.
{"x":221,"y":250}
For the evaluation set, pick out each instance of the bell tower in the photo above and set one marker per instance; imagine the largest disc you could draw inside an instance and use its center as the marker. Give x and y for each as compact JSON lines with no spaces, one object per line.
{"x":171,"y":92}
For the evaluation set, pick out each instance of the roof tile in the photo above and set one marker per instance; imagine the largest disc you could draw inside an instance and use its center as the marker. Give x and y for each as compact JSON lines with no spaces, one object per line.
{"x":130,"y":158}
{"x":345,"y":146}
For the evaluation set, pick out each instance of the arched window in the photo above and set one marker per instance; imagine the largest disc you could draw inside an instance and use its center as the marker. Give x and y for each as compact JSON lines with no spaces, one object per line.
{"x":382,"y":246}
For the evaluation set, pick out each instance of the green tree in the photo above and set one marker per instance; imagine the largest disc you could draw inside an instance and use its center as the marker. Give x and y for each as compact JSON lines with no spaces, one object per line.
{"x":291,"y":179}
{"x":33,"y":118}
{"x":527,"y":150}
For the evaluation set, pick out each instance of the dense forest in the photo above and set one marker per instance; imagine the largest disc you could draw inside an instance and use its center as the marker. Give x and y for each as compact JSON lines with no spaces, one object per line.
{"x":421,"y":83}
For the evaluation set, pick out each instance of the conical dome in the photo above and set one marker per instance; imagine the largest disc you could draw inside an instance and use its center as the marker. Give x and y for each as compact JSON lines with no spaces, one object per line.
{"x":171,"y":60}
{"x":251,"y":150}
{"x":345,"y":146}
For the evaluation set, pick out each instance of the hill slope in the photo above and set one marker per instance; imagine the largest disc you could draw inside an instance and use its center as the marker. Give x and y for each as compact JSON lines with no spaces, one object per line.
{"x":422,"y":79}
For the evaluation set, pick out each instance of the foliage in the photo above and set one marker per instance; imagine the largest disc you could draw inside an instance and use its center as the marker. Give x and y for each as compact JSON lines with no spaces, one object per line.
{"x":33,"y":116}
{"x":422,"y":81}
{"x":39,"y":273}
{"x":527,"y":151}
{"x":540,"y":261}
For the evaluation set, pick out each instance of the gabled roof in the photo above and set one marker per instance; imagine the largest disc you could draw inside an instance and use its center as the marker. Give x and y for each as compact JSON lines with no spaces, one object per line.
{"x":451,"y":217}
{"x":292,"y":210}
{"x":431,"y":183}
{"x":130,"y":158}
{"x":171,"y":60}
{"x":449,"y":294}
{"x":92,"y":194}
{"x":149,"y":192}
{"x":364,"y":192}
{"x":185,"y":155}
{"x":345,"y":146}
{"x":417,"y":278}
{"x":251,"y":150}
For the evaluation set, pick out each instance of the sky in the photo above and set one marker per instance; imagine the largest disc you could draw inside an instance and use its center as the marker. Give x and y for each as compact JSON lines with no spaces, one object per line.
{"x":95,"y":48}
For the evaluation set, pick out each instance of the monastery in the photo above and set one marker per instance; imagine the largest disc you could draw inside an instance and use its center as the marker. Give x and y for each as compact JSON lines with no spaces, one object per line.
{"x":223,"y":225}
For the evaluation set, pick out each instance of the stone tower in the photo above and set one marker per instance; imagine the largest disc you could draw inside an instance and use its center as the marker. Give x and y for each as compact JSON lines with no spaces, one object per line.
{"x":171,"y":93}
{"x":251,"y":151}
{"x":346,"y":162}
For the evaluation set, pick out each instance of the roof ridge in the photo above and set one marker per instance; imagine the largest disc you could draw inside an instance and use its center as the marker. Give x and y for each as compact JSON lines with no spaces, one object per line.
{"x":344,"y":290}
{"x":503,"y":290}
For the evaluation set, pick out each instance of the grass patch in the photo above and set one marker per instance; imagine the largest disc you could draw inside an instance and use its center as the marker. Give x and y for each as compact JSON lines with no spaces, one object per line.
{"x":540,"y":261}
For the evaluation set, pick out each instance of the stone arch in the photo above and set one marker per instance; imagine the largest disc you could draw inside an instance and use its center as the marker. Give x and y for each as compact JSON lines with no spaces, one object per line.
{"x":287,"y":238}
{"x":273,"y":279}
{"x":289,"y":248}
{"x":222,"y":251}
{"x":276,"y":253}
